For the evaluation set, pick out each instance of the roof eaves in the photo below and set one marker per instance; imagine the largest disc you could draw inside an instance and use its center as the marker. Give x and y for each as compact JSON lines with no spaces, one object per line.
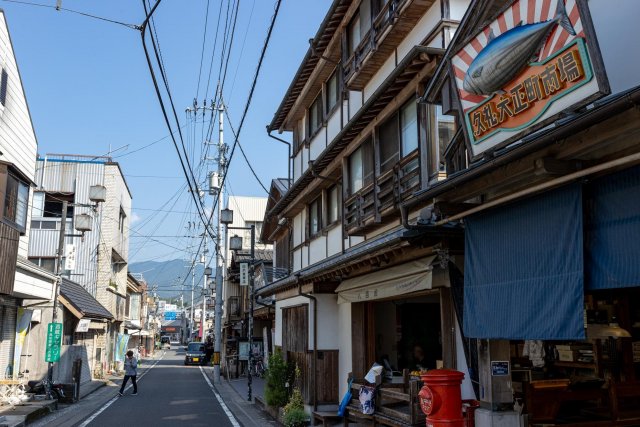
{"x":308,"y":63}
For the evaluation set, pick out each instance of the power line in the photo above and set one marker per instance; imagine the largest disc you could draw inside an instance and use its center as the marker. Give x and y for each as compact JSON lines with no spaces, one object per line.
{"x":64,"y":9}
{"x":246,"y":159}
{"x":188,"y":176}
{"x":204,"y":40}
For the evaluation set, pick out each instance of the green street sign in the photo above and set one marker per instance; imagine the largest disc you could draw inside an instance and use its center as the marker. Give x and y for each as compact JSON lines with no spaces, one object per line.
{"x":54,"y":340}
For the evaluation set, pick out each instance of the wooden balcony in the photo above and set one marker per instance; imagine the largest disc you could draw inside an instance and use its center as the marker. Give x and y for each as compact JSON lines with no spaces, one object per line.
{"x":392,"y":24}
{"x":378,"y":202}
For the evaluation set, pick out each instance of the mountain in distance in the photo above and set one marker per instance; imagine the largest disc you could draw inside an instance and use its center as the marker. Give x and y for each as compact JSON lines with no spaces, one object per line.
{"x":168,"y":276}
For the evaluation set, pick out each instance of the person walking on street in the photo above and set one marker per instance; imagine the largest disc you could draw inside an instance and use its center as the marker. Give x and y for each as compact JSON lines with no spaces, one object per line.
{"x":130,"y":371}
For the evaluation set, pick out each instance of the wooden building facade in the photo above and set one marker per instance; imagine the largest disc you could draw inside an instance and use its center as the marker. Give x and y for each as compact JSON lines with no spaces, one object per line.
{"x":363,"y":287}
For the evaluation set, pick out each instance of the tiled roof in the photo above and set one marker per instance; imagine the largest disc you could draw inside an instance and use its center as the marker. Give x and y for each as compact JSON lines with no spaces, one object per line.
{"x":82,"y":300}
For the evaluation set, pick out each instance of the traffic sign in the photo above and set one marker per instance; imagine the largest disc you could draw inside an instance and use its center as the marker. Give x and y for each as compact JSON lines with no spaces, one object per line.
{"x":170,"y":315}
{"x":54,"y":341}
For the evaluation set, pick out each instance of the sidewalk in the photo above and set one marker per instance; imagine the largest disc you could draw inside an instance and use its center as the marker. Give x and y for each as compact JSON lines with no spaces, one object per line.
{"x":234,"y":396}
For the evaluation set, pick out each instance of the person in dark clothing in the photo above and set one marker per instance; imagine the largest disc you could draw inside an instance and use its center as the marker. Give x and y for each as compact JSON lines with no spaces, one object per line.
{"x":420,"y":360}
{"x":130,"y":371}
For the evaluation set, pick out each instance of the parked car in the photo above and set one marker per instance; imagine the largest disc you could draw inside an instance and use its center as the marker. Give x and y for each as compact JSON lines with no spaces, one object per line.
{"x":195,"y":354}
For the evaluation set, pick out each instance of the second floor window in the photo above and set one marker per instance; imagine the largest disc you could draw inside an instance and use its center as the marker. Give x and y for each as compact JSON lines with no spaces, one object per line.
{"x":361,"y":167}
{"x":332,"y":91}
{"x":441,"y":135}
{"x":398,"y":136}
{"x":333,"y":204}
{"x":315,"y":116}
{"x":315,"y":217}
{"x":16,"y":201}
{"x":121,"y":221}
{"x":409,"y":128}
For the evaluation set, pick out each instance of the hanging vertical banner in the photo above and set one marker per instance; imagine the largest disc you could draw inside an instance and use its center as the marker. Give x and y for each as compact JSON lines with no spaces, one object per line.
{"x":121,"y":346}
{"x":244,"y":274}
{"x":70,"y":257}
{"x":23,"y":324}
{"x":54,"y":342}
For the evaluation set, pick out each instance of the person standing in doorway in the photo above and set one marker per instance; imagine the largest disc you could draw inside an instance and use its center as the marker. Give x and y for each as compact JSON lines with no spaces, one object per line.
{"x":130,"y":371}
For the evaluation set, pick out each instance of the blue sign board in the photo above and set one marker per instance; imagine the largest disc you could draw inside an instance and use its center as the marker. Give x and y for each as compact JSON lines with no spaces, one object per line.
{"x":499,"y":368}
{"x":170,"y":315}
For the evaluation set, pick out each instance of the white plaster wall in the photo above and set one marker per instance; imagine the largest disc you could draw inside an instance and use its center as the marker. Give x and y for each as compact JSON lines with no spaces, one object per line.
{"x":317,"y":249}
{"x":328,"y":323}
{"x":424,"y":26}
{"x":355,"y":102}
{"x":333,"y":125}
{"x":298,"y":229}
{"x":334,"y":241}
{"x":297,"y":166}
{"x":379,"y":77}
{"x":305,"y":159}
{"x":318,"y":143}
{"x":305,"y":256}
{"x":297,"y":259}
{"x":344,"y":338}
{"x":352,"y":241}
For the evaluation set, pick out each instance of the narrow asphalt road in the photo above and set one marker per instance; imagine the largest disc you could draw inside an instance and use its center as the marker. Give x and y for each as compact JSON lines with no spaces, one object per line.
{"x":169,"y":394}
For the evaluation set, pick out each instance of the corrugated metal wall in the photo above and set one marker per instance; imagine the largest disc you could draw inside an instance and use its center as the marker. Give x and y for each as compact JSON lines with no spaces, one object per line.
{"x":53,"y":175}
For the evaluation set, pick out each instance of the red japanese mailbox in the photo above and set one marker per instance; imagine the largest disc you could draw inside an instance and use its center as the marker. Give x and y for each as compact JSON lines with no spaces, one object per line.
{"x":441,"y":398}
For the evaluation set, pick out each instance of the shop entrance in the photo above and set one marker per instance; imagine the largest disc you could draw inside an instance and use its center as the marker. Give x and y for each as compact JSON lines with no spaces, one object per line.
{"x":400,"y":334}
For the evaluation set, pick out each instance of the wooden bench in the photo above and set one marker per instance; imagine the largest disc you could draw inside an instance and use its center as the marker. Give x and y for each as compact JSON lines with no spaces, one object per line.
{"x":397,"y":405}
{"x":325,"y":418}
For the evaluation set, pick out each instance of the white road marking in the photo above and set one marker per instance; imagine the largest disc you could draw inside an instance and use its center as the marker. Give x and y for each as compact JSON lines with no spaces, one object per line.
{"x":226,"y":410}
{"x":110,"y":402}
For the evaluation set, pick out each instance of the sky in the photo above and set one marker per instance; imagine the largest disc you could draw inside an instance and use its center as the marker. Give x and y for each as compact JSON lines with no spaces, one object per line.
{"x":90,"y":92}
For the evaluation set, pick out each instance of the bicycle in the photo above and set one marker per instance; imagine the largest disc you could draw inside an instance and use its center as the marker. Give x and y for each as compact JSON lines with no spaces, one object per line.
{"x":258,"y":369}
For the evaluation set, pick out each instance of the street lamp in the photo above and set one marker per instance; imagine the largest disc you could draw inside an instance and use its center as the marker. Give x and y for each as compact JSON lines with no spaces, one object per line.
{"x":235,"y":244}
{"x":97,"y":194}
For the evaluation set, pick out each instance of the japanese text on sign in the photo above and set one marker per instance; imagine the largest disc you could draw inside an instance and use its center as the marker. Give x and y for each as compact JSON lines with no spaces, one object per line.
{"x":54,"y":340}
{"x":528,"y":94}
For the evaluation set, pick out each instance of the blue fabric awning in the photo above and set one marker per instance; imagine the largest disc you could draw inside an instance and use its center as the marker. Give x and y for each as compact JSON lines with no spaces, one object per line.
{"x":524,"y":269}
{"x":612,"y":234}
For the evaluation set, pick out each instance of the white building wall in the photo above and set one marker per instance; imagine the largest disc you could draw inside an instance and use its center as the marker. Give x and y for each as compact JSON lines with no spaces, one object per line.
{"x":334,"y":241}
{"x":345,"y":364}
{"x":318,"y":249}
{"x":425,"y":25}
{"x":333,"y":125}
{"x":17,"y":137}
{"x":328,"y":322}
{"x":318,"y":144}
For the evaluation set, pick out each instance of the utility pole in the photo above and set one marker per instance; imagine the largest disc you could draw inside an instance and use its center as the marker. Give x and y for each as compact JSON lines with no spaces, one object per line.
{"x":222,"y":164}
{"x":54,"y":318}
{"x":204,"y":288}
{"x":193,"y":285}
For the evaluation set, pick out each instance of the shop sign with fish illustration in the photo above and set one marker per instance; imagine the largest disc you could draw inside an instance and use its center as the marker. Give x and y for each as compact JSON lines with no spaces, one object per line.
{"x":535,"y":60}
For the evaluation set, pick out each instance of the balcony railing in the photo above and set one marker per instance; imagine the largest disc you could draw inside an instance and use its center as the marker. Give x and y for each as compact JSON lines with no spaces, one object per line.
{"x":387,"y":16}
{"x":377,"y":202}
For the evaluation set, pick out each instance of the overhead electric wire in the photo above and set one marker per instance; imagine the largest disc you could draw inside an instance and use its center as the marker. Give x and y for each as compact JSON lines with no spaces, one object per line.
{"x":233,"y":32}
{"x":188,"y":173}
{"x":204,"y":41}
{"x":64,"y":9}
{"x":246,"y":159}
{"x":213,"y":53}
